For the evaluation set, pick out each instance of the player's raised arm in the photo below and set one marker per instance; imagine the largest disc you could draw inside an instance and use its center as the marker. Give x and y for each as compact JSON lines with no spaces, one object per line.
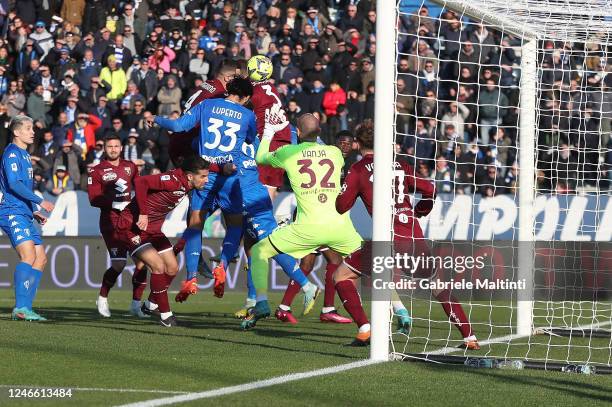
{"x":349,"y":193}
{"x":424,"y":187}
{"x":184,"y":123}
{"x":275,"y":121}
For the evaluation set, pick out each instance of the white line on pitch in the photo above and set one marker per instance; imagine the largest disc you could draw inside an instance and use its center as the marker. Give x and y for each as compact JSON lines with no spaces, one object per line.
{"x":508,"y":338}
{"x":250,"y":386}
{"x":100,"y":389}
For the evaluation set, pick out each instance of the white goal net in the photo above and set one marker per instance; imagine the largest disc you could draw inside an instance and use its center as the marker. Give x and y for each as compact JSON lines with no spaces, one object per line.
{"x":507,"y":107}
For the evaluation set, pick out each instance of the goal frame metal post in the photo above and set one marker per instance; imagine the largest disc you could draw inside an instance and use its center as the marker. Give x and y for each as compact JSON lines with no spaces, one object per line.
{"x":384,"y":141}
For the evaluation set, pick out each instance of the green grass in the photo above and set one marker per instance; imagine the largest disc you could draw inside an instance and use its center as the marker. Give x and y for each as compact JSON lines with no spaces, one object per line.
{"x":78,"y":349}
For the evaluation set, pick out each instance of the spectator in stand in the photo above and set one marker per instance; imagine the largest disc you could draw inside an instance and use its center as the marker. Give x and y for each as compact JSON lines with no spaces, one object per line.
{"x":60,"y":182}
{"x":37,"y":108}
{"x":96,"y":155}
{"x":134,"y":148}
{"x":102,"y":112}
{"x":198,"y":66}
{"x":444,"y":176}
{"x":113,"y":80}
{"x":122,"y":54}
{"x":332,"y":100}
{"x":492,"y":106}
{"x":169,"y":97}
{"x":87,"y":70}
{"x":42,"y":38}
{"x":73,"y":11}
{"x":70,"y":157}
{"x":14,"y":100}
{"x":456,"y":115}
{"x":146,"y":81}
{"x":40,"y":181}
{"x":161,"y":59}
{"x":83,"y":132}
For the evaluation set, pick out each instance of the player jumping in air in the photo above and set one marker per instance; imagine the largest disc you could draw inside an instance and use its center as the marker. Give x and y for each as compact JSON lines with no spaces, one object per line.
{"x":18,"y":209}
{"x":110,"y":188}
{"x":407,"y":233}
{"x":181,"y":146}
{"x":264,"y":97}
{"x":225,"y":124}
{"x":314,"y":173}
{"x":140,"y":227}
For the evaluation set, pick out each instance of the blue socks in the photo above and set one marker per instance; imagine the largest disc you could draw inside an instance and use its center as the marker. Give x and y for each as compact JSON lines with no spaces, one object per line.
{"x":35,"y":277}
{"x":291,"y":268}
{"x":251,"y":294}
{"x":22,"y":284}
{"x":231,"y":241}
{"x":27,"y":280}
{"x":193,"y":249}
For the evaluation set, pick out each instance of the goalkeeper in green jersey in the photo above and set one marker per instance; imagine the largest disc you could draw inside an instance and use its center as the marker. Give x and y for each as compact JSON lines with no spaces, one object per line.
{"x":314,"y":173}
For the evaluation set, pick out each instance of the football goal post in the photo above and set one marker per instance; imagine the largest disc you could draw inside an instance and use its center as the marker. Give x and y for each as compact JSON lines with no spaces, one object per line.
{"x":506,"y":107}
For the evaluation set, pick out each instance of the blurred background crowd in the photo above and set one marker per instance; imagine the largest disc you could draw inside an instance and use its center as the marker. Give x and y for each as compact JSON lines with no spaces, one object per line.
{"x":84,"y":69}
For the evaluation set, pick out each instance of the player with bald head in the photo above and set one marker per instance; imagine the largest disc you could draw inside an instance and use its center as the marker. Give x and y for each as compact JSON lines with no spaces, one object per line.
{"x":314,"y":173}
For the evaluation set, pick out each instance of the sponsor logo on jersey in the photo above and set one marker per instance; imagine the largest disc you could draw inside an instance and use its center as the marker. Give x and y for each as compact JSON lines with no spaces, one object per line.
{"x":121,"y":185}
{"x":165,"y":178}
{"x":108,"y":169}
{"x":111,"y":176}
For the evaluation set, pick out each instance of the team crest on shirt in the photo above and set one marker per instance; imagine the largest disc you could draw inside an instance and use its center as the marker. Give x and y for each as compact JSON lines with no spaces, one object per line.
{"x":136,"y":240}
{"x":128,"y":171}
{"x":322,"y":198}
{"x":110,"y":176}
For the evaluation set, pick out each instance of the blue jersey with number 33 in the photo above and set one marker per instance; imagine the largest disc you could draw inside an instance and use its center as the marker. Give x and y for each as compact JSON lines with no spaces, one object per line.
{"x":224,"y":127}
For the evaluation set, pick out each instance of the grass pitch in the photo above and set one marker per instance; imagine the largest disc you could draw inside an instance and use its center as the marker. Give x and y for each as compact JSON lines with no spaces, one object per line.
{"x":123,"y":359}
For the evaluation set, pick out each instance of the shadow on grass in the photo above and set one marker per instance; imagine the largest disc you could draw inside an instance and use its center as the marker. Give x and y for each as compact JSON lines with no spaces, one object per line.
{"x":547,"y":380}
{"x":88,"y":318}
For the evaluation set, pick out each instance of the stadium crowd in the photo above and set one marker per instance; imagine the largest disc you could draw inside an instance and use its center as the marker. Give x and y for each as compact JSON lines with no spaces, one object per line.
{"x":84,"y":69}
{"x":458,"y":97}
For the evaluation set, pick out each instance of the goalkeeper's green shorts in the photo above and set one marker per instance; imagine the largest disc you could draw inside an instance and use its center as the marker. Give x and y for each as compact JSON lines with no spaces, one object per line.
{"x":299,"y":240}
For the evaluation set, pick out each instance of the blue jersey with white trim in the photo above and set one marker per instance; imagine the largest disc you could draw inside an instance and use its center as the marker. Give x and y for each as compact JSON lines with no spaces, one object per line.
{"x":224,"y":127}
{"x":16,"y":182}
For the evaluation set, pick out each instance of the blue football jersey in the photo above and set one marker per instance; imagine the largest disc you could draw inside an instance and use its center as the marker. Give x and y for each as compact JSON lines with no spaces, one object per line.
{"x":224,"y":127}
{"x":254,"y":193}
{"x":16,"y":182}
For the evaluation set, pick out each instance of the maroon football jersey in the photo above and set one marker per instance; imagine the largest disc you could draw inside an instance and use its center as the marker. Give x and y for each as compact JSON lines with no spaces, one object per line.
{"x":181,"y":143}
{"x":359,"y":183}
{"x":157,"y":195}
{"x":264,"y":97}
{"x":110,"y":188}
